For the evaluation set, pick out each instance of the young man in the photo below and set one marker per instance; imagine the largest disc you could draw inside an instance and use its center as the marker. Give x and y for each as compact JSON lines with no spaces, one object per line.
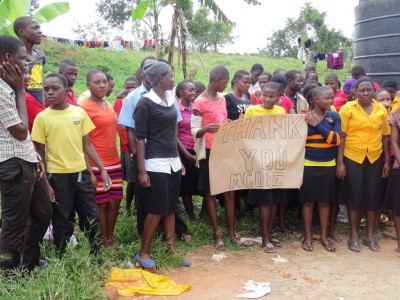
{"x":28,"y":31}
{"x":25,"y":205}
{"x":69,"y":69}
{"x":293,"y":87}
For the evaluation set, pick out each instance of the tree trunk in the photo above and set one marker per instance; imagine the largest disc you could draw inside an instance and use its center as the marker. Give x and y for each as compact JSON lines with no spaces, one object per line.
{"x":172,"y":38}
{"x":156,"y":37}
{"x":183,"y":42}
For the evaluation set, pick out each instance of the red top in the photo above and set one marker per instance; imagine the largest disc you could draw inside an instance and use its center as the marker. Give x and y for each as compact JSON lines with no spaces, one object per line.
{"x":123,"y":135}
{"x":286,"y":103}
{"x":33,"y":107}
{"x":70,"y":98}
{"x":339,"y":99}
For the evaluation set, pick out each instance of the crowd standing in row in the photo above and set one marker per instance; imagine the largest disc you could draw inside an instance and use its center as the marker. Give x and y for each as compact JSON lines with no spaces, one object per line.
{"x":59,"y":159}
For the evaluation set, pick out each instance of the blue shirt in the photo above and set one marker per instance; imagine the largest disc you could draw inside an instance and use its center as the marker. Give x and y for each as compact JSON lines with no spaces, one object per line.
{"x":129,"y":105}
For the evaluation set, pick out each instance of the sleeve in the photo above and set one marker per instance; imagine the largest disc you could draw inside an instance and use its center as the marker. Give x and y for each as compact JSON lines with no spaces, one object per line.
{"x":345,"y":117}
{"x":38,"y":131}
{"x":331,"y":136}
{"x":8,"y":111}
{"x":118,"y":106}
{"x":141,"y":117}
{"x":249,"y":112}
{"x":87,"y":124}
{"x":126,"y":114}
{"x":289,"y":104}
{"x":178,"y":113}
{"x":198,"y":105}
{"x":32,"y":108}
{"x":386,"y":125}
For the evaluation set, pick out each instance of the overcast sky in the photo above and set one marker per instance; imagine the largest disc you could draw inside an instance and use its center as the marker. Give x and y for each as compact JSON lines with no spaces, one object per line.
{"x":253,"y":23}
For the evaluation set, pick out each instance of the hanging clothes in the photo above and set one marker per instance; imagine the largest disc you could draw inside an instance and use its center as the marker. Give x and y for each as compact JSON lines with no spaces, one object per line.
{"x":335,"y":60}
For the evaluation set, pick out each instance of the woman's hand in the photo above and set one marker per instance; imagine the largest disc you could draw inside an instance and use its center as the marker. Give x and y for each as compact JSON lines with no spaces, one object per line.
{"x":310,"y":119}
{"x":340,"y":170}
{"x":12,"y":75}
{"x":386,"y":170}
{"x":212,"y":128}
{"x":40,"y":168}
{"x":106,"y":180}
{"x":50,"y":193}
{"x":144,"y":179}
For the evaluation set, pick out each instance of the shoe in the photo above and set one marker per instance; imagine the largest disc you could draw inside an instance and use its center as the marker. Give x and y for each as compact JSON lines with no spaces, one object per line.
{"x":307,"y":246}
{"x":371,"y":245}
{"x":269,"y":248}
{"x":145,"y":263}
{"x":186,"y":263}
{"x":42,"y":264}
{"x":354,"y":246}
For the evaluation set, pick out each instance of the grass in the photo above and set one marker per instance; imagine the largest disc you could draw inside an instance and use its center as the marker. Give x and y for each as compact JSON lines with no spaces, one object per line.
{"x":78,"y":275}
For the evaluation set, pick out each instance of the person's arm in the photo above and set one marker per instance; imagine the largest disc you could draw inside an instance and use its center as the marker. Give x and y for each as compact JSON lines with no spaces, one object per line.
{"x":331,"y":136}
{"x":131,"y":140}
{"x":394,"y":138}
{"x":143,"y":177}
{"x":92,"y":155}
{"x":182,"y":149}
{"x":340,"y":167}
{"x":386,"y":155}
{"x":40,"y":149}
{"x":15,"y":78}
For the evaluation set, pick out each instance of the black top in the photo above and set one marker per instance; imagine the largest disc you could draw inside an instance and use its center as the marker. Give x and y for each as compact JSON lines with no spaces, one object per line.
{"x":156,"y":124}
{"x":235,"y":107}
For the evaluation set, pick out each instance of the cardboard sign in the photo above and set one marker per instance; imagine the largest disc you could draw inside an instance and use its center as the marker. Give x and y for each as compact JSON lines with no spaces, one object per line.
{"x":264,"y":152}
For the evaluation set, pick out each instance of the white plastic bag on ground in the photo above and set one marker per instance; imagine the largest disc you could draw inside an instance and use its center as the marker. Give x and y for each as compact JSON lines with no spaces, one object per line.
{"x":259,"y":289}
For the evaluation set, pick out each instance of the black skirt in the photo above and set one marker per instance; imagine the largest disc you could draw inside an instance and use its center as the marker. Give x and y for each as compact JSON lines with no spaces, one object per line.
{"x":269,"y":197}
{"x":318,"y":184}
{"x":392,"y":196}
{"x":161,"y":198}
{"x":362,"y":186}
{"x":203,"y":183}
{"x":189,"y":180}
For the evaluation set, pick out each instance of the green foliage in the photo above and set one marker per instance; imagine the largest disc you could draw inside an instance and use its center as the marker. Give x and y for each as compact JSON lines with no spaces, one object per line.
{"x":10,"y":10}
{"x":309,"y":25}
{"x":115,"y":12}
{"x":209,"y":34}
{"x":96,"y":30}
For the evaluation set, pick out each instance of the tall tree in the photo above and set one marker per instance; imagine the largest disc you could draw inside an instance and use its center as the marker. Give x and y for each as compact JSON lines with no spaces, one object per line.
{"x":310,"y":24}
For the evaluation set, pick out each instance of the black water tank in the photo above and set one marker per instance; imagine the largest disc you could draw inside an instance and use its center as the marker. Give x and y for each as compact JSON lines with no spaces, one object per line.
{"x":377,"y":39}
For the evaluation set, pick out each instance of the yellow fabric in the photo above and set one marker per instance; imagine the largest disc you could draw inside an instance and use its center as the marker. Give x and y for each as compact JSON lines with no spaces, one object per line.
{"x":310,"y":163}
{"x":130,"y":282}
{"x":395,"y":104}
{"x":363,"y":132}
{"x":36,"y":76}
{"x":258,"y":110}
{"x":333,"y":108}
{"x":83,"y":97}
{"x":62,"y":131}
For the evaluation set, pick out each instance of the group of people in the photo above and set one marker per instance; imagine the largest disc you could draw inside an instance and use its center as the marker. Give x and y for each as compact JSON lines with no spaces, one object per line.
{"x":59,"y":156}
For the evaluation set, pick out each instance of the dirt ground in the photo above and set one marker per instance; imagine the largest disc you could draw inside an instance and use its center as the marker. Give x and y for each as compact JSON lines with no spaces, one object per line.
{"x":306,"y":275}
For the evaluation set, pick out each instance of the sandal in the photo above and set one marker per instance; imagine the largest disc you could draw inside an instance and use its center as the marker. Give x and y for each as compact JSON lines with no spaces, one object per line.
{"x":219,"y":245}
{"x":334,"y":236}
{"x":371,"y":245}
{"x":397,"y":252}
{"x":307,"y":246}
{"x":276,"y":242}
{"x":186,"y":238}
{"x":328,"y":247}
{"x":145,"y":263}
{"x":354,"y":246}
{"x":269,"y":248}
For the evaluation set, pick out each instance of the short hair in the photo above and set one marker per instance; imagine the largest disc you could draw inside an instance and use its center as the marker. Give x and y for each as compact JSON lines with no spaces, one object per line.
{"x":390,"y":84}
{"x":92,"y":72}
{"x":61,"y":77}
{"x":308,"y":73}
{"x":66,"y":63}
{"x":280,"y":79}
{"x":357,"y":72}
{"x":219,"y":72}
{"x":257,"y":67}
{"x":9,"y":44}
{"x":198,"y":85}
{"x":331,"y":76}
{"x":364,"y":79}
{"x":279,"y":71}
{"x":266,"y":74}
{"x":310,"y":66}
{"x":307,"y":91}
{"x":130,"y":78}
{"x":239,"y":75}
{"x":380,"y":91}
{"x":146,"y":58}
{"x":319,"y":89}
{"x":291,"y":75}
{"x":21,"y":22}
{"x":314,"y":82}
{"x":181,"y":86}
{"x":272,"y":85}
{"x":108,"y":76}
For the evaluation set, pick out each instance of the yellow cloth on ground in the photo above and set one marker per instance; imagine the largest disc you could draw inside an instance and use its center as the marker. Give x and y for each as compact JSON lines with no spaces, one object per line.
{"x":130,"y":282}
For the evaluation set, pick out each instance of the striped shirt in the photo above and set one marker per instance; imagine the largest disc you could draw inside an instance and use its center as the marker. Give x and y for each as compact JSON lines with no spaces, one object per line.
{"x":9,"y":146}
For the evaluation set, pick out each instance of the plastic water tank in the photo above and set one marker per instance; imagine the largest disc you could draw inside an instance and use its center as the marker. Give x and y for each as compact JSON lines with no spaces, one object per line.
{"x":377,"y":39}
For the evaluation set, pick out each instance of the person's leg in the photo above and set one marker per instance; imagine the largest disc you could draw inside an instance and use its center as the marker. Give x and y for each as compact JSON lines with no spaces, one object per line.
{"x":40,"y":214}
{"x":281,"y":217}
{"x":85,"y":206}
{"x":307,"y":213}
{"x":229,"y":205}
{"x":396,"y":219}
{"x":188,"y":204}
{"x":112,"y":215}
{"x":129,"y":194}
{"x":17,"y":179}
{"x":333,"y":213}
{"x":323,"y":209}
{"x":369,"y":241}
{"x":354,"y":222}
{"x":103,"y":209}
{"x":181,"y":228}
{"x":265,"y":216}
{"x":212,"y":214}
{"x":150,"y":225}
{"x":169,"y":229}
{"x":204,"y":209}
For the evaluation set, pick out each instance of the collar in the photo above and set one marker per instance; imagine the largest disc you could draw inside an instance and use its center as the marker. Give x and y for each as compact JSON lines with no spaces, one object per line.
{"x":154,"y":97}
{"x":183,"y":108}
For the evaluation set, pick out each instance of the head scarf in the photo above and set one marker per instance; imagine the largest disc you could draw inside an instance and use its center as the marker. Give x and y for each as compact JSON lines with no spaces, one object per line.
{"x":154,"y":72}
{"x":348,"y":84}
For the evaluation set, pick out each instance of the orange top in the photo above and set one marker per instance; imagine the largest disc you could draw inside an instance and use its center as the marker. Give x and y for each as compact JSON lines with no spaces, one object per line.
{"x":103,"y":137}
{"x":123,"y":135}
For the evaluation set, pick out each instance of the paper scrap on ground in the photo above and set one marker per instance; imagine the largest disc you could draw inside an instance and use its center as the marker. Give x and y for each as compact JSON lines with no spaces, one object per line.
{"x":259,"y":289}
{"x":280,"y":259}
{"x":219,"y":256}
{"x":257,"y":240}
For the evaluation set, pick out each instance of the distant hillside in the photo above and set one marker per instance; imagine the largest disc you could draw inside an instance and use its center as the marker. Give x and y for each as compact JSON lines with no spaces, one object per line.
{"x":123,"y":64}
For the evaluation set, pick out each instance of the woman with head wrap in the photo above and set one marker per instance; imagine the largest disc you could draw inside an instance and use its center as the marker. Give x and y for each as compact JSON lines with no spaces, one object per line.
{"x":159,"y":165}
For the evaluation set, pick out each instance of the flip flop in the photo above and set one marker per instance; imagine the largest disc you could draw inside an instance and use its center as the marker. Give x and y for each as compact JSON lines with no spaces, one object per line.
{"x":307,"y":246}
{"x":219,"y":245}
{"x":334,"y":236}
{"x":276,"y":242}
{"x":186,"y":263}
{"x":269,"y":248}
{"x":371,"y":245}
{"x":397,"y":252}
{"x":329,"y":247}
{"x":145,"y":263}
{"x":354,"y":246}
{"x":186,"y":238}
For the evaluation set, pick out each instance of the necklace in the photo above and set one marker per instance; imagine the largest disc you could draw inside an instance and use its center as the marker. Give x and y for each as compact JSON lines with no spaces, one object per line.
{"x":318,"y":120}
{"x":208,"y":96}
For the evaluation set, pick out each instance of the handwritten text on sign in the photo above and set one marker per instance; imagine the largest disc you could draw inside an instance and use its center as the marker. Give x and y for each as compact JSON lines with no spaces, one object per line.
{"x":258,"y":153}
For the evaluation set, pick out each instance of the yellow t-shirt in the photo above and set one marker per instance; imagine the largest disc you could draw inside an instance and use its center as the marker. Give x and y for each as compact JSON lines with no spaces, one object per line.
{"x":258,"y":110}
{"x":395,"y":104}
{"x":363,"y":132}
{"x":83,"y":97}
{"x":62,"y":131}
